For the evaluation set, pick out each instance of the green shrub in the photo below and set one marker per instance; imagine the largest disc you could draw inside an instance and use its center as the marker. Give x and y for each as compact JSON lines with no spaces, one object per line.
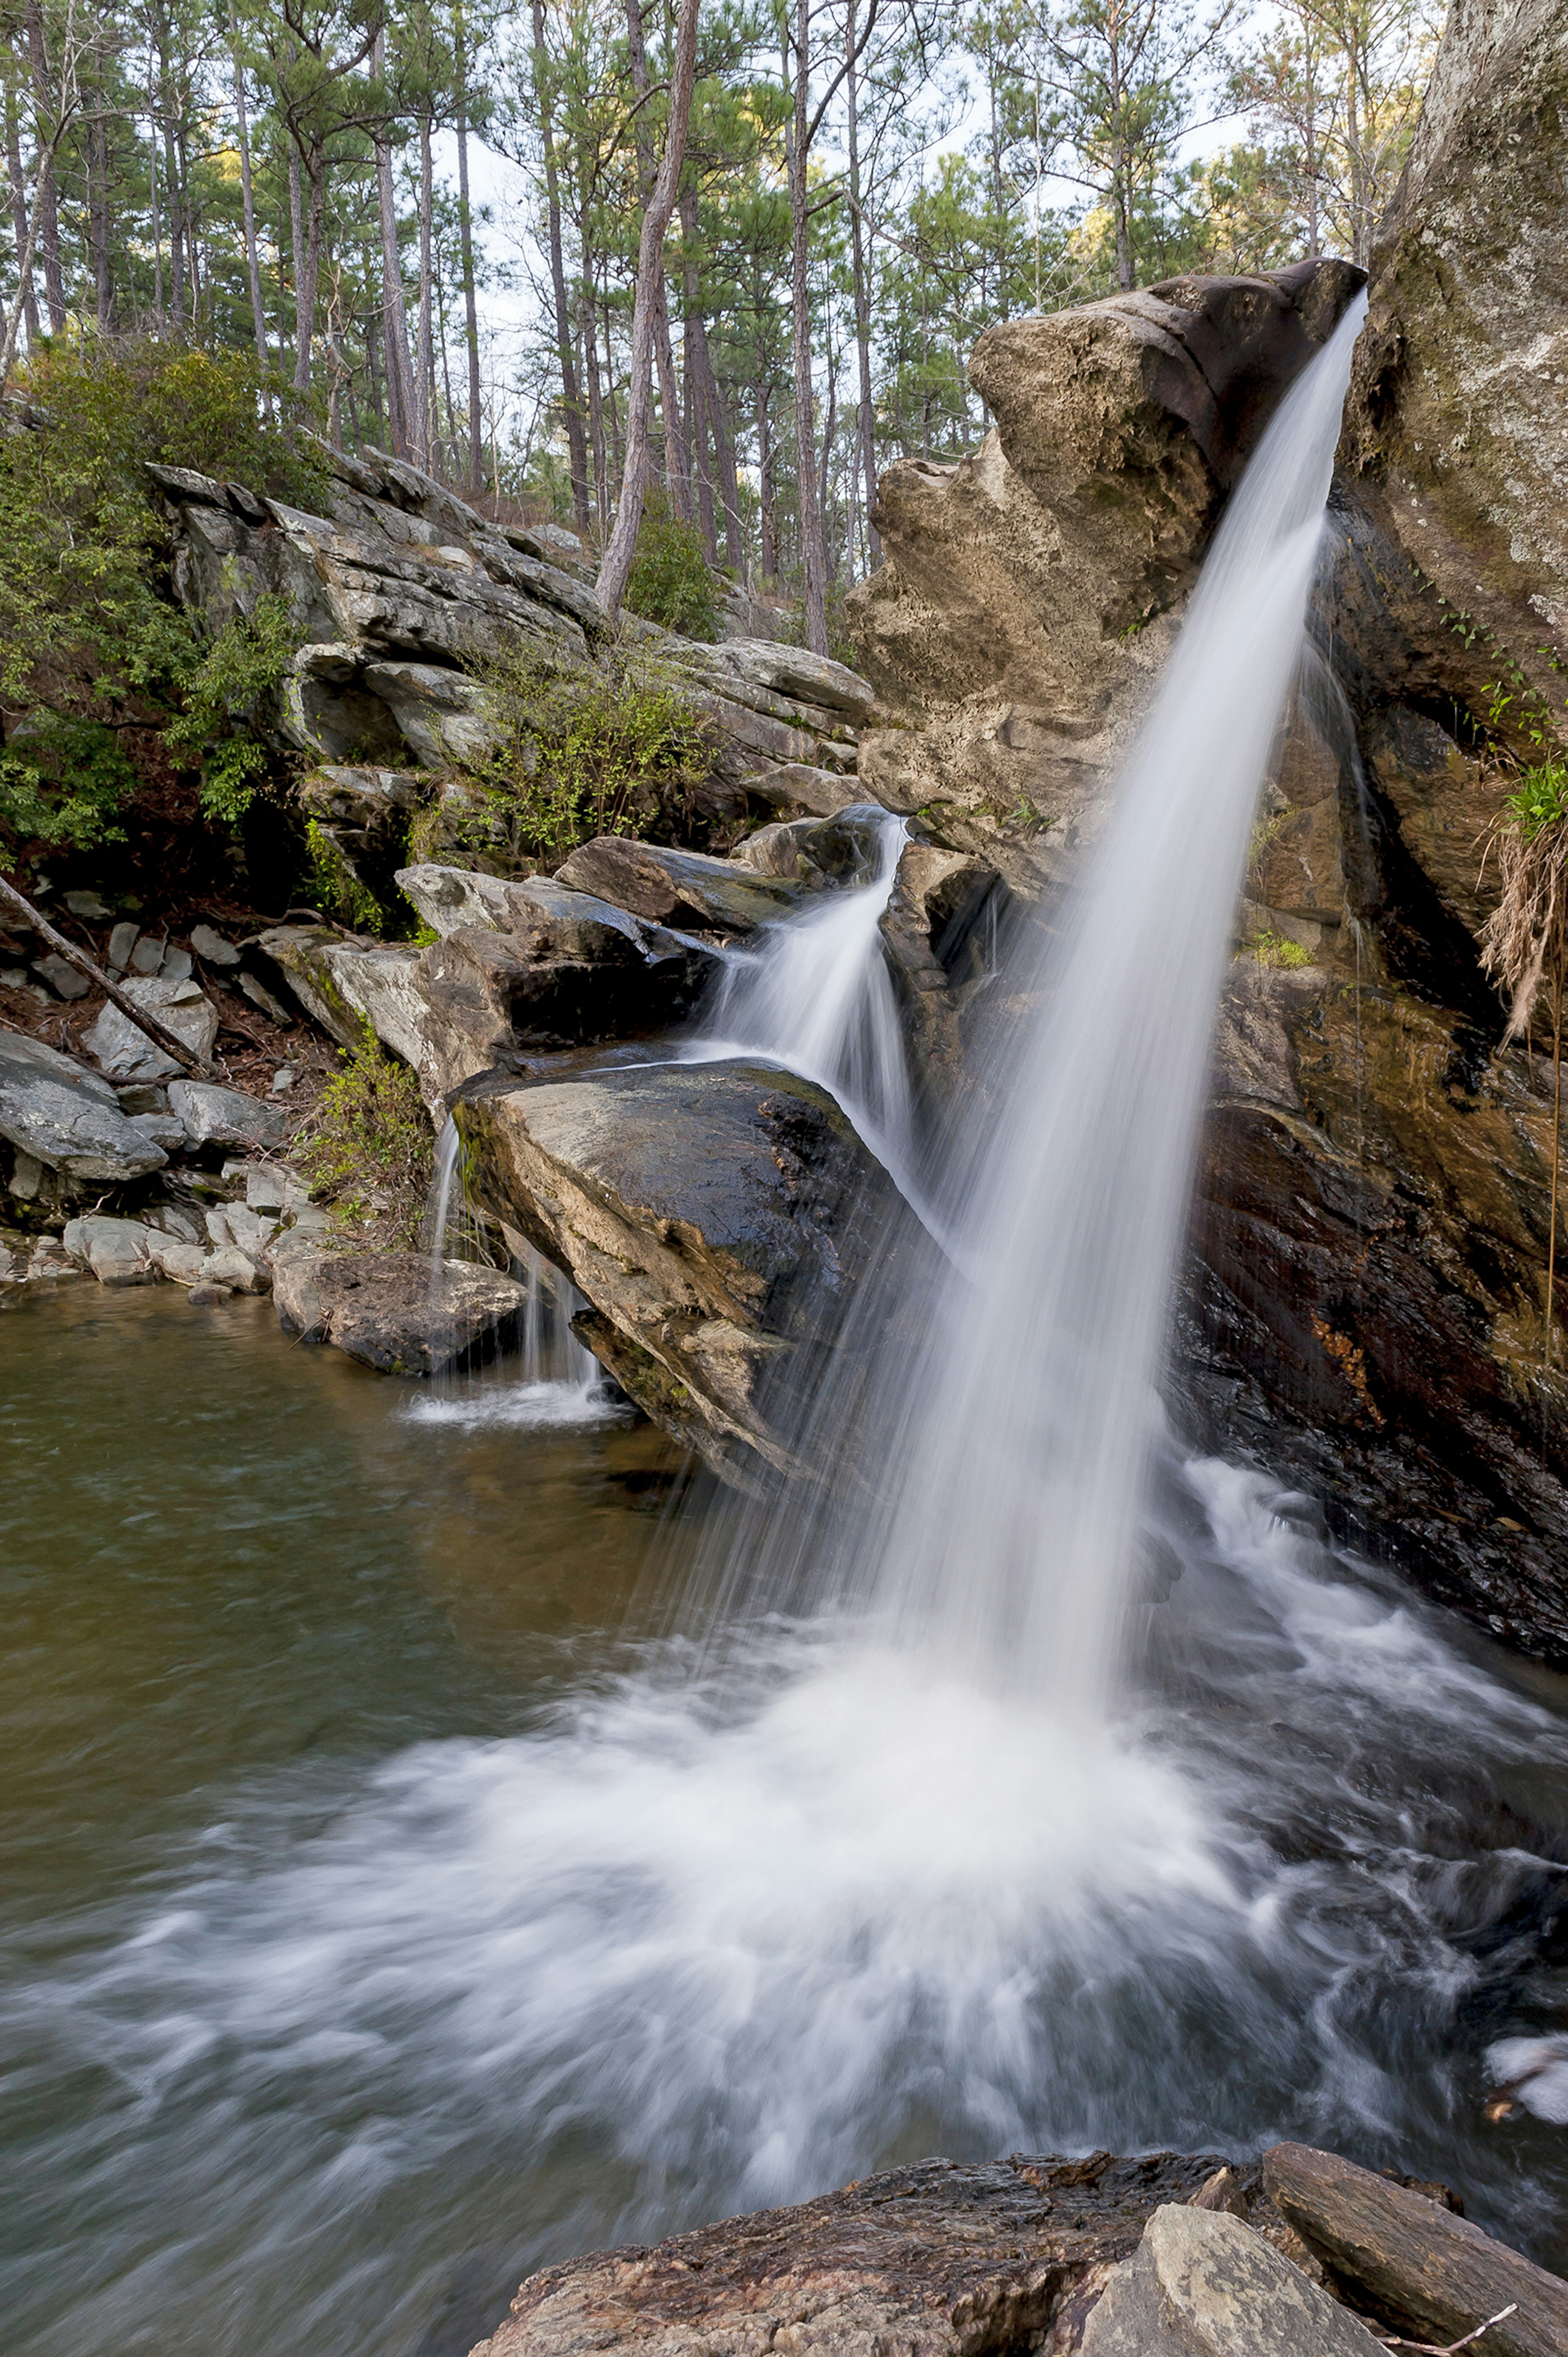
{"x":370,"y":1136}
{"x":90,"y":635}
{"x":336,"y":890}
{"x":584,"y":753}
{"x":1277,"y":949}
{"x":222,"y":691}
{"x":670,"y":582}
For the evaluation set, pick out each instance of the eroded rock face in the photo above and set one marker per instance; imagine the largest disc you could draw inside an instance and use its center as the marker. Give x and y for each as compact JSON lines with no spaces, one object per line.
{"x":716,"y":1216}
{"x":1016,"y":627}
{"x":944,"y":2259}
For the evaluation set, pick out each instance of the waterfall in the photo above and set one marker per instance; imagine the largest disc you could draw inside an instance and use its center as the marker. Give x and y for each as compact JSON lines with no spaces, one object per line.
{"x":553,"y":1379}
{"x":814,"y":994}
{"x":1016,"y":1404}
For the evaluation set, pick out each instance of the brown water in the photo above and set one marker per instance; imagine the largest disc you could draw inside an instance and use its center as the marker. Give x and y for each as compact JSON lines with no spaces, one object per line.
{"x":380,"y":1917}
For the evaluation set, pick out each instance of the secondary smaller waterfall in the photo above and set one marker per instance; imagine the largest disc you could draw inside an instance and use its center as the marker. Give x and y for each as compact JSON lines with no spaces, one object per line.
{"x":813,"y":993}
{"x":554,"y":1379}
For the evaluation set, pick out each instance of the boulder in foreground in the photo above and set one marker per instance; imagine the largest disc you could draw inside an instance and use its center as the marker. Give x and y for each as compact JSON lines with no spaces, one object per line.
{"x":397,"y":1312}
{"x":1201,"y":2284}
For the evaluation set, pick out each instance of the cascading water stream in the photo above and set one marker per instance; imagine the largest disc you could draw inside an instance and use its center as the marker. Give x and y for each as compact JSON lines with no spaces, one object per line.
{"x":552,"y":1379}
{"x":814,"y":994}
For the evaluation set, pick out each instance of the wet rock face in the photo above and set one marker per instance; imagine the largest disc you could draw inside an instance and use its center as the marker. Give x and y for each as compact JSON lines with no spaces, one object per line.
{"x":944,"y":2259}
{"x":397,"y":1312}
{"x":714,"y":1215}
{"x":1014,"y":629}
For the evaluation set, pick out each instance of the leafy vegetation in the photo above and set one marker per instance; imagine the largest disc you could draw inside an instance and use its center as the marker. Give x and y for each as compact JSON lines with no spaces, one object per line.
{"x":612,"y":751}
{"x":93,"y":650}
{"x":370,"y":1145}
{"x":1270,"y":948}
{"x":670,"y":581}
{"x":335,"y":888}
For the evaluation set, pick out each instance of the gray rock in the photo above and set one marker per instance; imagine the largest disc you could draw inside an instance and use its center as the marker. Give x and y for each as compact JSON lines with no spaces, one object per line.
{"x":164,"y":1129}
{"x":116,"y":1250}
{"x":149,"y":955}
{"x":205,"y":1294}
{"x":87,"y":906}
{"x":142,"y":1096}
{"x":212,"y":947}
{"x":676,"y":888}
{"x":64,"y":979}
{"x":800,"y":786}
{"x":174,"y":1221}
{"x":446,"y":897}
{"x":213,"y":1116}
{"x":440,"y":712}
{"x":253,"y":989}
{"x":792,"y":671}
{"x":397,"y":1312}
{"x":283,"y":1079}
{"x":175,"y":965}
{"x":234,"y":1268}
{"x":27,"y":1177}
{"x":248,"y":1230}
{"x":55,"y":1111}
{"x":181,"y":1263}
{"x":267,"y":1186}
{"x":1202,"y":2284}
{"x":121,"y":941}
{"x":127,"y":1054}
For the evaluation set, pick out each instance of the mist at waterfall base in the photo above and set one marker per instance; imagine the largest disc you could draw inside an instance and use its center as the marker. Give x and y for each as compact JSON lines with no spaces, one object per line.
{"x":996,"y":1847}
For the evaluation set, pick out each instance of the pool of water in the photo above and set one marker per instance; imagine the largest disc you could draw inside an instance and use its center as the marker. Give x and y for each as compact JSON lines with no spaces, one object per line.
{"x":395,"y":1898}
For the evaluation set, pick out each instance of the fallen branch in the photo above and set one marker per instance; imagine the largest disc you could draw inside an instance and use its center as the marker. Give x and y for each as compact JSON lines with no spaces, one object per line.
{"x":1452,"y":2348}
{"x":145,"y":1023}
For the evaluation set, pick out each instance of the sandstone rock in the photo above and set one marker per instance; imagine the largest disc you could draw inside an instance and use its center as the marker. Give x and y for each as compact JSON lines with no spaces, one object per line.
{"x":116,"y":1250}
{"x":675,"y":888}
{"x":213,"y":1116}
{"x":718,"y":1268}
{"x":397,"y":1312}
{"x":65,"y":1117}
{"x":1406,"y":2260}
{"x":943,"y":2259}
{"x":446,"y":897}
{"x":1012,"y":619}
{"x":127,"y":1054}
{"x":1202,"y":2284}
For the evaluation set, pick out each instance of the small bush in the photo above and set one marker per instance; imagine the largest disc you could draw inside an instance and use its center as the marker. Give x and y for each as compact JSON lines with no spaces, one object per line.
{"x":670,"y":582}
{"x":370,"y":1136}
{"x":1277,"y":949}
{"x":223,"y":692}
{"x":607,"y":752}
{"x":336,"y":890}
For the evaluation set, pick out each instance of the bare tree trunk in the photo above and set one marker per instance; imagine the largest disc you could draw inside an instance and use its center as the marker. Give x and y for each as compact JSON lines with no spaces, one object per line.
{"x":395,"y":320}
{"x":247,"y":195}
{"x":866,"y":424}
{"x":571,"y":398}
{"x":769,"y":526}
{"x":425,"y":365}
{"x":27,"y":295}
{"x":596,"y":399}
{"x":616,"y":565}
{"x":296,"y":252}
{"x":813,"y":567}
{"x":677,"y":457}
{"x":304,"y":298}
{"x":98,"y":198}
{"x":45,"y":203}
{"x":466,"y":239}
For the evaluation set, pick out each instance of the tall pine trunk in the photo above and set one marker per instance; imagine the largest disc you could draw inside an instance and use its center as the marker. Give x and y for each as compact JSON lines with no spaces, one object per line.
{"x":813,"y":563}
{"x":615,"y":569}
{"x":571,"y":396}
{"x":45,"y":200}
{"x":248,"y":198}
{"x":866,"y":422}
{"x":401,"y":401}
{"x":465,"y":241}
{"x":424,"y":362}
{"x":27,"y":297}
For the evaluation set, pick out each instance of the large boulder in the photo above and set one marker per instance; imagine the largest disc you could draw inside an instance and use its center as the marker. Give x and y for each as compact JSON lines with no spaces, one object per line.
{"x":125,"y":1052}
{"x":676,"y":888}
{"x":401,"y":1313}
{"x":1202,"y":2284}
{"x":943,"y":2259}
{"x":716,"y":1217}
{"x":66,"y":1117}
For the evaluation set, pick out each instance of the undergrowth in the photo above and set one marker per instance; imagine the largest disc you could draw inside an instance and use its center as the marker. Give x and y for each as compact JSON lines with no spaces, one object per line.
{"x":334,"y":888}
{"x":670,"y":582}
{"x":581,"y":754}
{"x":370,"y":1149}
